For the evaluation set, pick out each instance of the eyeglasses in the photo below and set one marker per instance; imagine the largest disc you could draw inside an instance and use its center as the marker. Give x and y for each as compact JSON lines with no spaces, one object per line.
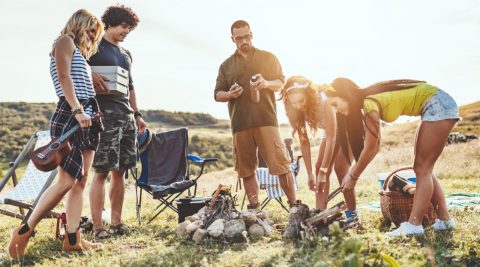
{"x":247,"y":37}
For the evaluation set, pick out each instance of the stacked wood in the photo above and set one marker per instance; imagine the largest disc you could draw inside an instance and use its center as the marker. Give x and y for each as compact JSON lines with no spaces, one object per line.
{"x":219,"y":219}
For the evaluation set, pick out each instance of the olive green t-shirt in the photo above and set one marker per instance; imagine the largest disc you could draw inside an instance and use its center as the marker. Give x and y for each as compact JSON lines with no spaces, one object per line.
{"x":243,"y":112}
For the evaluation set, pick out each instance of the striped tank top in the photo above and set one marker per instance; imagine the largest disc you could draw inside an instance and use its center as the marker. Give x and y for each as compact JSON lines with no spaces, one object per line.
{"x":80,"y":73}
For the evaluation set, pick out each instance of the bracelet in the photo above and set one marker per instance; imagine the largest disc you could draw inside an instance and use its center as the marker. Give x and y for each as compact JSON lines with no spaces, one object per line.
{"x":77,"y":111}
{"x":137,"y":114}
{"x":324,"y":170}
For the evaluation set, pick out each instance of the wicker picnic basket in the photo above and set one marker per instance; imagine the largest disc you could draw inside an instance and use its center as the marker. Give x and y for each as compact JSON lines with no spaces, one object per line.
{"x":397,"y":206}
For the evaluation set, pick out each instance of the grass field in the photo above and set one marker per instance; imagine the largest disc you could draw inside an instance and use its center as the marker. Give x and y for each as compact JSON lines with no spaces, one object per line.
{"x":156,"y":244}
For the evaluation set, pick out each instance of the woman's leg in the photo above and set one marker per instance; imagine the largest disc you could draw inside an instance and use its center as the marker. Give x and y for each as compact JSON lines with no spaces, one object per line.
{"x":342,"y":166}
{"x":430,"y":141}
{"x":74,"y":202}
{"x":51,"y":197}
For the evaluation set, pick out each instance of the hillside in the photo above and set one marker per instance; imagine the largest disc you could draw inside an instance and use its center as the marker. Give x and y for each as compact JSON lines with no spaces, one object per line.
{"x":18,"y":120}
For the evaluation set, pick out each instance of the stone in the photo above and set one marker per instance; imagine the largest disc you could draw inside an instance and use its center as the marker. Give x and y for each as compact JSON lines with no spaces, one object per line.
{"x":201,"y":212}
{"x":249,"y":216}
{"x":262,"y":214}
{"x":199,"y":235}
{"x":266,"y":227}
{"x":192,"y":227}
{"x":234,"y":228}
{"x":256,"y":231}
{"x":216,"y":228}
{"x":192,"y":218}
{"x":182,"y":229}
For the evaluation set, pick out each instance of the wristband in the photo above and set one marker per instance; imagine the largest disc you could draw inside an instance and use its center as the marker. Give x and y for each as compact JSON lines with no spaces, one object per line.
{"x":137,"y":114}
{"x":77,"y":111}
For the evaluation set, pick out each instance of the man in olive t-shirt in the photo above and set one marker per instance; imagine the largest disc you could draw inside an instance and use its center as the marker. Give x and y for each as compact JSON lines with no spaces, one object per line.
{"x":254,"y":125}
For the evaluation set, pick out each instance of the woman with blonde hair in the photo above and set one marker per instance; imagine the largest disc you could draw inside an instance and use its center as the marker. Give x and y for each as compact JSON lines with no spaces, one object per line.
{"x":72,"y":80}
{"x":306,"y":104}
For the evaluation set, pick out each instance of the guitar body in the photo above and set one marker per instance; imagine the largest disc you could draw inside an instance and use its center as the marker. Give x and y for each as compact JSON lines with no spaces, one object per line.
{"x":49,"y":157}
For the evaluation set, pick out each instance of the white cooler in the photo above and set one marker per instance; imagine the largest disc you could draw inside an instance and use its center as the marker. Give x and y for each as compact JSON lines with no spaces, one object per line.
{"x":117,"y":78}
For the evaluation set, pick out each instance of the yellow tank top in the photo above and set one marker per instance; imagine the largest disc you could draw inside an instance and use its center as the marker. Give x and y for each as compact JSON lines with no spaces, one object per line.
{"x":393,"y":104}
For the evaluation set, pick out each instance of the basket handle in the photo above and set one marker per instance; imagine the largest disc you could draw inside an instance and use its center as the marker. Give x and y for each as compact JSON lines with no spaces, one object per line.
{"x":385,"y":184}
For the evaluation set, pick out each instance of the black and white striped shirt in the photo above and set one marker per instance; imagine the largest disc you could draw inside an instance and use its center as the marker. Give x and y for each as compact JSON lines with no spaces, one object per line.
{"x":81,"y":76}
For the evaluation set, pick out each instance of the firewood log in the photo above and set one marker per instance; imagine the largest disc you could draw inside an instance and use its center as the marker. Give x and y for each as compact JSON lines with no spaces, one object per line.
{"x":324,"y":214}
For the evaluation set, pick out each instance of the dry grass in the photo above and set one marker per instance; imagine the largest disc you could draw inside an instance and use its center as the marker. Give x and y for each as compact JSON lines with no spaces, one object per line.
{"x":156,"y":244}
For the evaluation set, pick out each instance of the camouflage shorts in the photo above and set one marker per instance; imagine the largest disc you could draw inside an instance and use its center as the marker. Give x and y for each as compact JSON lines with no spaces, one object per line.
{"x":117,"y":146}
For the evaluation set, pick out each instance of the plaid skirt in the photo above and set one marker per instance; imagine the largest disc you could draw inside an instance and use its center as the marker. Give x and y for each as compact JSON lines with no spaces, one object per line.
{"x":84,"y":138}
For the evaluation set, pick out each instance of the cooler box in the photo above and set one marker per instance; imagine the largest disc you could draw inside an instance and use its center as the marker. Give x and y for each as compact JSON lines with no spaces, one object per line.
{"x":407,"y":174}
{"x":117,"y":78}
{"x":190,"y":205}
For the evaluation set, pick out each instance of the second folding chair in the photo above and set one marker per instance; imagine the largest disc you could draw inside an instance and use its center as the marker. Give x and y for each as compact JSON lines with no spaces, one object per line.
{"x":165,"y":169}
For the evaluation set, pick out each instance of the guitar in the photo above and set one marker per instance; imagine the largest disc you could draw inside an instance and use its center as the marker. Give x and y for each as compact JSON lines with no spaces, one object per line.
{"x":49,"y":156}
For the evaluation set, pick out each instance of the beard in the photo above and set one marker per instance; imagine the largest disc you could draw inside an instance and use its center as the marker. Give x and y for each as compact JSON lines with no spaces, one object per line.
{"x":245,"y":47}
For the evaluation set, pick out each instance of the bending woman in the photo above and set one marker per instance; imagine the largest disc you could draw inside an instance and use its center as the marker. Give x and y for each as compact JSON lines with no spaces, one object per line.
{"x":439,"y":114}
{"x":72,"y":80}
{"x":306,"y":103}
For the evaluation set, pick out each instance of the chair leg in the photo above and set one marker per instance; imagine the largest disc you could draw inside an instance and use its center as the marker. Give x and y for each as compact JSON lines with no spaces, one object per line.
{"x":139,"y":205}
{"x":265,"y":203}
{"x":279,"y":200}
{"x":243,"y":200}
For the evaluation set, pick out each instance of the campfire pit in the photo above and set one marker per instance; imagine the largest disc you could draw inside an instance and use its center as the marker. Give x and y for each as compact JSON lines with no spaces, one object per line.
{"x":219,"y":219}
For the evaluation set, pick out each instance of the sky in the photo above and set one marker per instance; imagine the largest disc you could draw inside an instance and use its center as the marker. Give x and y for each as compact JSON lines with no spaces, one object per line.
{"x":178,"y":46}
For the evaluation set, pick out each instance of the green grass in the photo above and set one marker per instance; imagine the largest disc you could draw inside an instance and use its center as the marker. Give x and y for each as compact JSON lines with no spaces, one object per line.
{"x":156,"y":244}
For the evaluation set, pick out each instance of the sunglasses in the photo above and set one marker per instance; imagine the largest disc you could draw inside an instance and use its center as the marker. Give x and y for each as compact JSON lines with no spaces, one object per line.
{"x":241,"y":38}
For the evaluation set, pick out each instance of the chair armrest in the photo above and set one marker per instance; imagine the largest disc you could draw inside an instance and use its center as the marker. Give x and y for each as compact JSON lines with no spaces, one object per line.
{"x":200,"y":160}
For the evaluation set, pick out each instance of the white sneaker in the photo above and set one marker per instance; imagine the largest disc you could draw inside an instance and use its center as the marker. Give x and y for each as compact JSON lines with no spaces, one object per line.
{"x":406,"y":229}
{"x":441,"y":225}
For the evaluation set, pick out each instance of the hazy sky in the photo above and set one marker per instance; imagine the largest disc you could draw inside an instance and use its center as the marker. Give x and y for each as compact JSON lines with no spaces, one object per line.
{"x":179,"y":45}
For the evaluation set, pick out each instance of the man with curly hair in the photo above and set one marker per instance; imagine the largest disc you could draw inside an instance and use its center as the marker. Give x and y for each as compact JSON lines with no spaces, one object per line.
{"x":117,"y":147}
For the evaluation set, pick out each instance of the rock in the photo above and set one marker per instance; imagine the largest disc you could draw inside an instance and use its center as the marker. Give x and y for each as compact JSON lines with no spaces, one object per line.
{"x":192,"y":218}
{"x":266,"y":227}
{"x":262,"y":214}
{"x":249,"y":216}
{"x":234,"y":215}
{"x":234,"y":228}
{"x":182,"y":229}
{"x":216,"y":228}
{"x":199,"y":235}
{"x":256,"y":231}
{"x":298,"y":213}
{"x":202,"y":211}
{"x":192,"y":227}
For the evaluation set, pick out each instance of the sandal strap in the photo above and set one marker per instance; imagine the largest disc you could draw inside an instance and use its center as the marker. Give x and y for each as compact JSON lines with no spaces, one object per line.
{"x":100,"y":230}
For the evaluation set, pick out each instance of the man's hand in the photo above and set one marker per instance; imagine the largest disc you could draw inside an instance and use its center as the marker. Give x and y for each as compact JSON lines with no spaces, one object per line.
{"x":260,"y":83}
{"x":99,"y":83}
{"x":311,"y":182}
{"x":141,"y":125}
{"x":235,"y":91}
{"x":348,"y":182}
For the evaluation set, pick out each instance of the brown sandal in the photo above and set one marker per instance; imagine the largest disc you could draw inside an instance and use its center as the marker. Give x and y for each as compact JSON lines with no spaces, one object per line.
{"x":100,"y":230}
{"x":118,"y":229}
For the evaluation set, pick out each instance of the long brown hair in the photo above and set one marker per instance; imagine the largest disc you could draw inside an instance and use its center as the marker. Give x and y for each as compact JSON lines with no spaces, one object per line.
{"x":351,"y":128}
{"x":299,"y":119}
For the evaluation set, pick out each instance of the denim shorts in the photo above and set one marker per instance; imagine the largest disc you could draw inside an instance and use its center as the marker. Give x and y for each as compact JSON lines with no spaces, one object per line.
{"x":440,"y":106}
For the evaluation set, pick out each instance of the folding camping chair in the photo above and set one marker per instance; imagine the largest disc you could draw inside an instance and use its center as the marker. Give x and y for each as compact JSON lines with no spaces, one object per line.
{"x":271,"y":184}
{"x":165,"y":171}
{"x":31,"y":186}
